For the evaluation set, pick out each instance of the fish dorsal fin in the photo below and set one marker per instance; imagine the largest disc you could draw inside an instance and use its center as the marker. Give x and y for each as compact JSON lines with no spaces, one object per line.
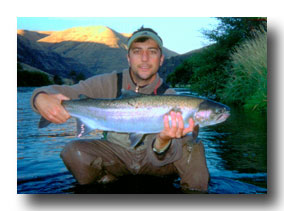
{"x":129,"y":93}
{"x":82,"y":96}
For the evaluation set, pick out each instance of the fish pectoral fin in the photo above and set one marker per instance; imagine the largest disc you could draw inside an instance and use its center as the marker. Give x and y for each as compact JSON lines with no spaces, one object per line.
{"x":135,"y":139}
{"x":195,"y":132}
{"x":82,"y":128}
{"x":43,"y":122}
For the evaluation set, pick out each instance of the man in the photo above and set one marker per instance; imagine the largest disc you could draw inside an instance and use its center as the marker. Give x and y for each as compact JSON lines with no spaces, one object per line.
{"x":169,"y":152}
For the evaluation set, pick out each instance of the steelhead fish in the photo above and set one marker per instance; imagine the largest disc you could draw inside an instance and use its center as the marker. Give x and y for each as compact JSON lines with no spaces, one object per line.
{"x":140,"y":114}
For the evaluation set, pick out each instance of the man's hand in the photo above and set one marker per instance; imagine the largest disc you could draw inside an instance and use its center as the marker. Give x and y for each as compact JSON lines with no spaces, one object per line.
{"x":176,"y":130}
{"x":49,"y":106}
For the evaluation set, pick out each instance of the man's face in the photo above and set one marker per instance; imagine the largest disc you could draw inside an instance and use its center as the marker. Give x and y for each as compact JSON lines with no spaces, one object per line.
{"x":144,"y":59}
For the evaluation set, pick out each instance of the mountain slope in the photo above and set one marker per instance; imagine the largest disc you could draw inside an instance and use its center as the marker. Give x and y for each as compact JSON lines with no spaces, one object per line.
{"x":30,"y":52}
{"x":96,"y":34}
{"x":90,"y":50}
{"x":100,"y":48}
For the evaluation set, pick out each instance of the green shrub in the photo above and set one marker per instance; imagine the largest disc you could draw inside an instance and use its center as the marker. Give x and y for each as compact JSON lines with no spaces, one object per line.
{"x":247,"y":84}
{"x":208,"y":76}
{"x":29,"y":78}
{"x":181,"y":75}
{"x":206,"y":70}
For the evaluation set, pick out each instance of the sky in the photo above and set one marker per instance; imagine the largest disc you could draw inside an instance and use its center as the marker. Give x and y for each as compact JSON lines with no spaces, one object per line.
{"x":179,"y":34}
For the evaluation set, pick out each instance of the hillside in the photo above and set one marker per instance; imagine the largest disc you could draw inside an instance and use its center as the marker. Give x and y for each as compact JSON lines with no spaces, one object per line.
{"x":89,"y":50}
{"x":99,"y":48}
{"x":31,"y":52}
{"x":171,"y":63}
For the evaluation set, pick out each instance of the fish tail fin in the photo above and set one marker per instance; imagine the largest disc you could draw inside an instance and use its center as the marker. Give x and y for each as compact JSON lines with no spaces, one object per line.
{"x":43,"y":122}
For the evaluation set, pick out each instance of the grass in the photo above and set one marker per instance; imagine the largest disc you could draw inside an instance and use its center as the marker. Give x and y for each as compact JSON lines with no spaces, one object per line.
{"x":248,"y":74}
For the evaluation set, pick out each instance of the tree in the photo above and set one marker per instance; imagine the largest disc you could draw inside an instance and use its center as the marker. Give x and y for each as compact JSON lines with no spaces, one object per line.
{"x":76,"y":77}
{"x":31,"y":78}
{"x":181,"y":75}
{"x":207,"y":67}
{"x":233,"y":30}
{"x":28,"y":78}
{"x":57,"y":80}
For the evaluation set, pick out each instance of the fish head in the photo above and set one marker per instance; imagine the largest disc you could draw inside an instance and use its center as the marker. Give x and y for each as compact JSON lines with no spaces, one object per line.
{"x":210,"y":113}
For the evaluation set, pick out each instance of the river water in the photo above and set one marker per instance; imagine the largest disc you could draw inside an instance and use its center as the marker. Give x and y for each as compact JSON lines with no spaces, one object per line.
{"x":236,"y":153}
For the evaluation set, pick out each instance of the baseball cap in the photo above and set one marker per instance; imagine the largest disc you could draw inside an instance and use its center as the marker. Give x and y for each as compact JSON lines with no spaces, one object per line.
{"x":145,"y":32}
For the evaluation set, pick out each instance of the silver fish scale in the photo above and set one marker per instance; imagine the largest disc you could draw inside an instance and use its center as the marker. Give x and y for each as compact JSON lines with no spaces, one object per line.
{"x":142,"y":114}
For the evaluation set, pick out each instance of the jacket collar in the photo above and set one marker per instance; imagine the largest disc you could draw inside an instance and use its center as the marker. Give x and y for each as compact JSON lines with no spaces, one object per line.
{"x":129,"y":84}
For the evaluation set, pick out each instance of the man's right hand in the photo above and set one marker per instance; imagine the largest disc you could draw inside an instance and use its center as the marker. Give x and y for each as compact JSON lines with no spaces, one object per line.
{"x":49,"y":106}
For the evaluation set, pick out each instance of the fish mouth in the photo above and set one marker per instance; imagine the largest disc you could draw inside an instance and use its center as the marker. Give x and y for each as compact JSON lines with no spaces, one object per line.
{"x":223,"y":117}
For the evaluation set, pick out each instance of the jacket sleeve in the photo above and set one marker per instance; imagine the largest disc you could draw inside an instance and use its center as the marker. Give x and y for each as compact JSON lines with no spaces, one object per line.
{"x":101,"y":86}
{"x":173,"y":153}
